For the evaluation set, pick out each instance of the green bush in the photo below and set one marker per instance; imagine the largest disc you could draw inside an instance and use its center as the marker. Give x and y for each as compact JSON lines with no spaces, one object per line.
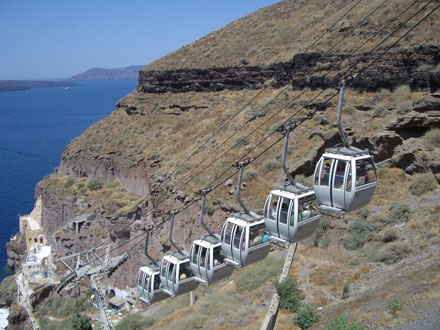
{"x":320,"y":236}
{"x":269,"y":165}
{"x":353,"y":262}
{"x":254,"y":276}
{"x":399,"y":212}
{"x":357,"y":235}
{"x":250,"y":175}
{"x":345,"y":290}
{"x":81,"y":322}
{"x":69,"y":182}
{"x":380,"y":110}
{"x":301,"y":178}
{"x":364,"y":213}
{"x":290,"y":295}
{"x":307,"y":316}
{"x":394,"y":306}
{"x":421,"y":183}
{"x":390,"y":235}
{"x":404,"y":107}
{"x":392,"y":252}
{"x":432,"y":138}
{"x":133,"y":322}
{"x":378,"y":221}
{"x":401,"y":94}
{"x":341,"y":323}
{"x":95,"y":185}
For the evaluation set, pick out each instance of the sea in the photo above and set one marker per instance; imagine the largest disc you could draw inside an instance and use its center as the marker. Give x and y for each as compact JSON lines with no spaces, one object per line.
{"x":35,"y":127}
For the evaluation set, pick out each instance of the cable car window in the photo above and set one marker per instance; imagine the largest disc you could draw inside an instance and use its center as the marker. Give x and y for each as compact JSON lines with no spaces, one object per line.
{"x":228,"y":232}
{"x":365,"y":172}
{"x":208,"y":264}
{"x":284,"y":210}
{"x":146,"y":283}
{"x":339,"y":174}
{"x":218,"y":257}
{"x":237,"y":237}
{"x":272,"y":212}
{"x":307,"y":207}
{"x":163,"y":268}
{"x":202,"y":256}
{"x":325,"y":172}
{"x":139,"y":278}
{"x":184,"y":271}
{"x":156,"y":282}
{"x":317,"y":172}
{"x":170,"y":272}
{"x":195,"y":253}
{"x":256,"y":234}
{"x":348,"y":185}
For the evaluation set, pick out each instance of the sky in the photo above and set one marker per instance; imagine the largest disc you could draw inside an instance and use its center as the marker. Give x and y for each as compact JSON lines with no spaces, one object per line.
{"x":56,"y":39}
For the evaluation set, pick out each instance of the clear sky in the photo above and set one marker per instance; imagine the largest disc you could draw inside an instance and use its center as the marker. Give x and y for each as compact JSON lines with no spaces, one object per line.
{"x":49,"y":39}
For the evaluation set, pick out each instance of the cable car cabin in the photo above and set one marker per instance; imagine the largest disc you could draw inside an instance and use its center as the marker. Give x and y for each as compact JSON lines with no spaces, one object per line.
{"x":291,"y":213}
{"x":149,"y":284}
{"x":333,"y":181}
{"x":244,"y":240}
{"x":207,"y":260}
{"x":176,"y":274}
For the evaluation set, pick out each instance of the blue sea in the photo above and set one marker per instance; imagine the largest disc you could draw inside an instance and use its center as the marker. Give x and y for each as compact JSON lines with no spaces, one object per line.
{"x":35,"y":127}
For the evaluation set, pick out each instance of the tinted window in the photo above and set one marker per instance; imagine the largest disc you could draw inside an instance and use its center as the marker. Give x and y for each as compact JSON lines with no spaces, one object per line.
{"x":339,"y":174}
{"x":307,"y":207}
{"x":284,"y":210}
{"x":365,"y":172}
{"x":272,"y":211}
{"x":237,"y":237}
{"x":228,"y":232}
{"x":325,"y":172}
{"x":256,"y":234}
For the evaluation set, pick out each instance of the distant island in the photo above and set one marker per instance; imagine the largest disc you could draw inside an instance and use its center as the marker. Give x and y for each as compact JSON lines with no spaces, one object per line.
{"x":20,"y":85}
{"x":129,"y":72}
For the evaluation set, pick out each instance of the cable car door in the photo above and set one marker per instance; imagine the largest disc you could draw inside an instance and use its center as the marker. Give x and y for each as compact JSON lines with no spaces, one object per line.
{"x":284,"y":212}
{"x":338,"y":183}
{"x":271,"y":215}
{"x":237,"y":243}
{"x":322,"y":181}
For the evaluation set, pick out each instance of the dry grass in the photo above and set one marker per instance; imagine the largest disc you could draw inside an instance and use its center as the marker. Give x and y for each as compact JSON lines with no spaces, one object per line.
{"x":275,"y":33}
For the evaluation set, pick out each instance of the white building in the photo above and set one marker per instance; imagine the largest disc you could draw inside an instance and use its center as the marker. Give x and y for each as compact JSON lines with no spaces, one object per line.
{"x":37,"y":267}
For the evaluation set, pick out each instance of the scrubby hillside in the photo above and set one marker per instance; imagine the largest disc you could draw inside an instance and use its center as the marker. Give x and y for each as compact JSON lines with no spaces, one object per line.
{"x":152,"y":154}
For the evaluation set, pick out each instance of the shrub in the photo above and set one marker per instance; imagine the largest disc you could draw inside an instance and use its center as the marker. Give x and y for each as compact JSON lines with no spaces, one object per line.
{"x":259,"y":273}
{"x":422,"y":183}
{"x":364,"y":213}
{"x":290,"y":295}
{"x":307,"y":316}
{"x":380,"y":110}
{"x":133,"y":322}
{"x":394,"y":306}
{"x":392,"y":253}
{"x":378,"y":221}
{"x":345,"y":290}
{"x":384,"y":93}
{"x":404,"y":107}
{"x":301,"y":178}
{"x":341,"y":323}
{"x":320,"y":237}
{"x":95,"y":185}
{"x":390,"y":235}
{"x":353,"y":262}
{"x":69,"y":182}
{"x":401,"y":93}
{"x":358,"y":234}
{"x":241,"y":142}
{"x":81,"y":322}
{"x":399,"y":212}
{"x":250,"y":175}
{"x":269,"y":165}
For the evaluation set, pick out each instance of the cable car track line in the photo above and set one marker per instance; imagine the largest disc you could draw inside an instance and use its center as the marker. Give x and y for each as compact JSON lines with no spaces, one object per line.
{"x":274,"y":143}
